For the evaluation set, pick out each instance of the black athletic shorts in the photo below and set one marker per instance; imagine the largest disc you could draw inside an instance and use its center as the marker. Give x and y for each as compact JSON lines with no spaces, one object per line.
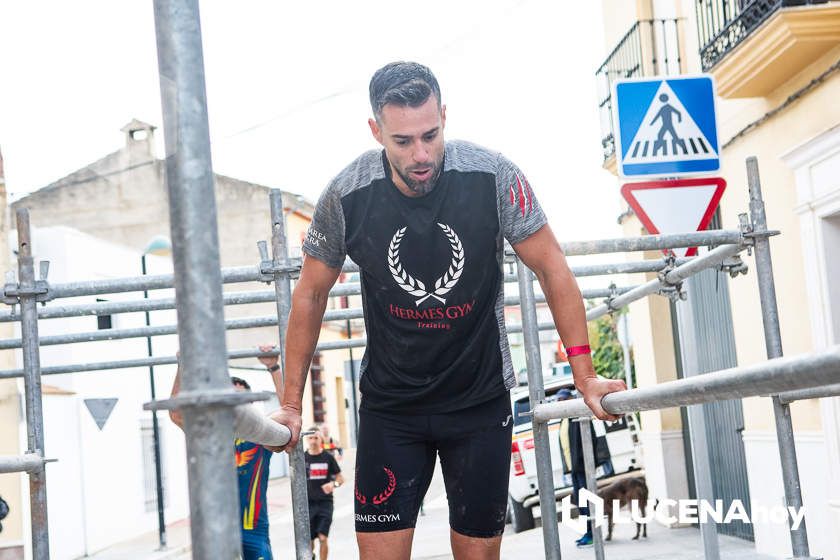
{"x":395,"y":461}
{"x":320,"y":518}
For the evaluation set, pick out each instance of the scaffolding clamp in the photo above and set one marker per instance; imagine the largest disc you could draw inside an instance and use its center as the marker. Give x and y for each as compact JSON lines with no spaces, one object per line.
{"x":12,"y":292}
{"x":614,"y":293}
{"x":268,"y":267}
{"x":734,"y":266}
{"x":750,"y":235}
{"x":674,"y":292}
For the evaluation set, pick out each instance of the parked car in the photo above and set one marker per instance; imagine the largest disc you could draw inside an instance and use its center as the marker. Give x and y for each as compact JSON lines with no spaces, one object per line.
{"x":523,"y":492}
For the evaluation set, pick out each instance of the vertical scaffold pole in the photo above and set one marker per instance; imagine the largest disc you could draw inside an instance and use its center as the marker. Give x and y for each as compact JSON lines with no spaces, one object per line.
{"x":773,"y":342}
{"x":701,"y":464}
{"x":591,"y":483}
{"x":32,"y":387}
{"x":215,"y":530}
{"x":536,"y":391}
{"x":283,"y":291}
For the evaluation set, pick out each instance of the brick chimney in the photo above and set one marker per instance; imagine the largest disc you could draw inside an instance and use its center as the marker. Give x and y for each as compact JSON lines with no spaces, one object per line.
{"x":139,"y":140}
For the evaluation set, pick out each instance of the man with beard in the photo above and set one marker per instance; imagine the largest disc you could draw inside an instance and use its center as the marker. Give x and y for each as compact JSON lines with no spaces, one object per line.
{"x":426,"y":221}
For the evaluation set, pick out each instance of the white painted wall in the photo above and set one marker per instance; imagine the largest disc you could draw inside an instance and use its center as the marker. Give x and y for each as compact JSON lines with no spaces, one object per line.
{"x":767,"y":490}
{"x":816,"y":168}
{"x":96,"y":489}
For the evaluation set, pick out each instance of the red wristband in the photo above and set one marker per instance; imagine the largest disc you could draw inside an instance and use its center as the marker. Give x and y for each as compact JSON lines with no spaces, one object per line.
{"x":572,"y":351}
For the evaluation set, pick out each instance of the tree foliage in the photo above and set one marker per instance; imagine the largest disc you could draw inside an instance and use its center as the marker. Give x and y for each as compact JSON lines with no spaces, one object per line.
{"x":607,"y":355}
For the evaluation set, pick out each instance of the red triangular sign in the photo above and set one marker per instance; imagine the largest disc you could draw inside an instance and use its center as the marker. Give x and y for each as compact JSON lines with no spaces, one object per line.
{"x":675,"y":206}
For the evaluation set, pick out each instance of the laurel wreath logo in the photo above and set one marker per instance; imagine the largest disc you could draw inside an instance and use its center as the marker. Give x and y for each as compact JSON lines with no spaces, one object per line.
{"x":413,"y":285}
{"x":383,"y":496}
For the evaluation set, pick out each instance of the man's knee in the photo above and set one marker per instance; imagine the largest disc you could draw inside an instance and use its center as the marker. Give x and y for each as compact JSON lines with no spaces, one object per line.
{"x":322,"y":538}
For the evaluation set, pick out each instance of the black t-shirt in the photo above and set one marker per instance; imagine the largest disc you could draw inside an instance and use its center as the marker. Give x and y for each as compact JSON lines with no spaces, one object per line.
{"x":431,"y":271}
{"x":320,"y":469}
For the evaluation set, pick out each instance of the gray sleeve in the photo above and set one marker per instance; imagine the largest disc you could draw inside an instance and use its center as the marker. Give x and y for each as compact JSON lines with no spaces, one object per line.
{"x":325,"y":238}
{"x":520,"y":214}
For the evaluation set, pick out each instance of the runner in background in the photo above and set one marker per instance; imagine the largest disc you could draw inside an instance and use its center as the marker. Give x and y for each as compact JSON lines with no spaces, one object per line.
{"x":331,"y":446}
{"x":323,"y":476}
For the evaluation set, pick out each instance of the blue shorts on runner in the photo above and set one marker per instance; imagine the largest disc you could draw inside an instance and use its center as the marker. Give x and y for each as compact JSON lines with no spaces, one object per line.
{"x":256,"y":547}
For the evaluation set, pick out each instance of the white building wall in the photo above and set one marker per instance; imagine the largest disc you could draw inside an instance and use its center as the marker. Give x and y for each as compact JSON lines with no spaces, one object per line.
{"x":96,"y":489}
{"x":816,"y":168}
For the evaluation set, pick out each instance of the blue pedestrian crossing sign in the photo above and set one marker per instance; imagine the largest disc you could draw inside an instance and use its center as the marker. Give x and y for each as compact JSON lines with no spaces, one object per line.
{"x":666,"y":127}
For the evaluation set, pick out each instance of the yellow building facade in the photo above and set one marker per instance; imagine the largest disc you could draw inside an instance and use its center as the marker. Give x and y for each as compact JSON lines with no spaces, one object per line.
{"x":776,"y":66}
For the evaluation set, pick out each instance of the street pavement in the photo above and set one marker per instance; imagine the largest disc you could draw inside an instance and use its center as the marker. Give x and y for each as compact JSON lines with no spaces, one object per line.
{"x":431,"y":538}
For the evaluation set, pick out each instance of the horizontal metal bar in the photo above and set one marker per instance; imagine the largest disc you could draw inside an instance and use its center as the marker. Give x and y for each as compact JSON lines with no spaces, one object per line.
{"x":157,"y":304}
{"x":232,"y":355}
{"x":254,"y":274}
{"x":234,"y":324}
{"x":20,"y":463}
{"x":590,"y":293}
{"x":589,"y":270}
{"x":167,"y":360}
{"x":115,"y":307}
{"x":813,"y":393}
{"x":138,"y":332}
{"x":207,"y":398}
{"x":653,"y":242}
{"x":265,"y":296}
{"x":140,"y":283}
{"x":708,"y":260}
{"x":652,"y":265}
{"x":230,"y":298}
{"x":767,"y":378}
{"x":341,"y":344}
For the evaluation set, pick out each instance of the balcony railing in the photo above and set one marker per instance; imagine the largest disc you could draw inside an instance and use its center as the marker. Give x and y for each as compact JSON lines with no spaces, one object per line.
{"x":723,"y":24}
{"x":649,"y":48}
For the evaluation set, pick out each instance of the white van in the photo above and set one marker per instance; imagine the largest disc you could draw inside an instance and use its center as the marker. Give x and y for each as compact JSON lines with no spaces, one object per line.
{"x":523,"y":492}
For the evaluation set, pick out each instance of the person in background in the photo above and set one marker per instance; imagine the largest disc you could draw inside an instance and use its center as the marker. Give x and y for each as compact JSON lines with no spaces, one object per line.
{"x":252,"y":465}
{"x":331,"y":446}
{"x":323,"y":476}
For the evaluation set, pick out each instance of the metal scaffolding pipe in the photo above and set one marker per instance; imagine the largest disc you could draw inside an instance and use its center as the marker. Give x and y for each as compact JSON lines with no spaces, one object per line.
{"x":32,"y":387}
{"x":138,"y":332}
{"x":168,"y":360}
{"x":247,"y":323}
{"x":236,"y":298}
{"x":773,"y":342}
{"x":233,"y":275}
{"x":197,"y":280}
{"x":654,"y":265}
{"x":588,"y":446}
{"x":132,"y":306}
{"x":813,"y":393}
{"x":653,"y":242}
{"x":29,"y":462}
{"x":249,"y":424}
{"x":283,"y":293}
{"x":773,"y":376}
{"x":708,"y":260}
{"x":536,"y":394}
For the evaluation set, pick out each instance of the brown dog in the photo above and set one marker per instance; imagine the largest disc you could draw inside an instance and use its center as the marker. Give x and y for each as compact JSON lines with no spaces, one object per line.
{"x":625,"y":490}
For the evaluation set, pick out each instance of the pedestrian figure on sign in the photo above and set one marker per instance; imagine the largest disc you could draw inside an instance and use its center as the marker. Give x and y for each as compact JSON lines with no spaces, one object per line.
{"x":666,"y":114}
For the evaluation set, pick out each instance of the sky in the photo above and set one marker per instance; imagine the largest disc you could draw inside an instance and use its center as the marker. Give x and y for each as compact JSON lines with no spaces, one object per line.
{"x":287,"y":89}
